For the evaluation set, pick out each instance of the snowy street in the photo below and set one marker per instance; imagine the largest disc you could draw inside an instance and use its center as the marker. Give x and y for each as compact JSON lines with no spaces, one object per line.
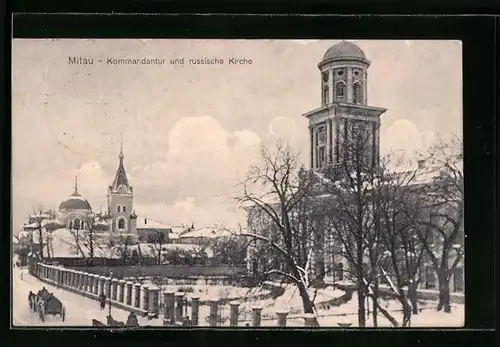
{"x":79,"y":310}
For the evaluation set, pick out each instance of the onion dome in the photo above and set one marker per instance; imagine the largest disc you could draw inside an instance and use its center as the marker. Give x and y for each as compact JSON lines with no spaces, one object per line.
{"x":75,"y":201}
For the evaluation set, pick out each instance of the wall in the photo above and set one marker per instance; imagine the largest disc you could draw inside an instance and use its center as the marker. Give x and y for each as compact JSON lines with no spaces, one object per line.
{"x":173,"y":271}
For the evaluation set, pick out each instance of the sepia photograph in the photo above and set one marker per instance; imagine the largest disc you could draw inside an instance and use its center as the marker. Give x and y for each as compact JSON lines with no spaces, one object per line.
{"x":199,"y":183}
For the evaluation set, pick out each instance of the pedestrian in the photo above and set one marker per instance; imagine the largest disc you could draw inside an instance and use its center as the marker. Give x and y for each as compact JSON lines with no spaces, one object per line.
{"x":132,"y":320}
{"x":186,"y":322}
{"x":30,"y":299}
{"x":102,"y":300}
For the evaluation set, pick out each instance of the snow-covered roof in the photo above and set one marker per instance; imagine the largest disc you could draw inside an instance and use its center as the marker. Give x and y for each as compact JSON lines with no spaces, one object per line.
{"x":46,"y":214}
{"x":178,"y":229}
{"x":148,"y":223}
{"x":63,"y":245}
{"x":30,"y":226}
{"x":208,"y":232}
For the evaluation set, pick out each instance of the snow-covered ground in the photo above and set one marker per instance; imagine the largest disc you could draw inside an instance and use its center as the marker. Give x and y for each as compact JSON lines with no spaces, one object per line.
{"x":428,"y":317}
{"x":79,"y":310}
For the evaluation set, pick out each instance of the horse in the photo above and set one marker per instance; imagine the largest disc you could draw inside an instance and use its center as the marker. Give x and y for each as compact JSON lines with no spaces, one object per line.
{"x":41,"y":309}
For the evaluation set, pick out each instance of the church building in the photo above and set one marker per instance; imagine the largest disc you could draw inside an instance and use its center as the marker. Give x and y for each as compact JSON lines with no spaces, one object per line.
{"x":344,"y":105}
{"x":119,"y":217}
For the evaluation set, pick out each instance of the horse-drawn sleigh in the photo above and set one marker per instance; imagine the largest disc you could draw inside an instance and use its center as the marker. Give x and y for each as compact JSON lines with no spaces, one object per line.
{"x":46,"y":303}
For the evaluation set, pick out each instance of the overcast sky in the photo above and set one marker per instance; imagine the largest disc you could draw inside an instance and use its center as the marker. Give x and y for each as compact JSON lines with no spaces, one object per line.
{"x":190,"y":132}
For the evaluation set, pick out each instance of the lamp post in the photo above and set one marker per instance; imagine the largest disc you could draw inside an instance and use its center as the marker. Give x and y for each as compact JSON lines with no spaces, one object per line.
{"x":109,"y":291}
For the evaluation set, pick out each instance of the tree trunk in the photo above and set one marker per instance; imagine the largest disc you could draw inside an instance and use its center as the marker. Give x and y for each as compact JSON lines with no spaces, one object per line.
{"x":406,"y":311}
{"x":306,"y":300}
{"x":412,"y":295}
{"x":361,"y":302}
{"x":387,"y":315}
{"x":375,"y":303}
{"x":444,"y":291}
{"x":40,"y":243}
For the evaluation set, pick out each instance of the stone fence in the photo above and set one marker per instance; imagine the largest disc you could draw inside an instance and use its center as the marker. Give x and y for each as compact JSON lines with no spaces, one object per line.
{"x":143,"y":299}
{"x":171,"y":271}
{"x":121,"y":294}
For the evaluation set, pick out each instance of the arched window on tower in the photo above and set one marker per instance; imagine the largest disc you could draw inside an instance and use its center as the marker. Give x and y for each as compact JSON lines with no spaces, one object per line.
{"x":76,"y":224}
{"x":124,"y":209}
{"x":118,"y":208}
{"x":339,"y":91}
{"x":70,"y":224}
{"x":326,"y":97}
{"x":121,"y":223}
{"x":357,"y":93}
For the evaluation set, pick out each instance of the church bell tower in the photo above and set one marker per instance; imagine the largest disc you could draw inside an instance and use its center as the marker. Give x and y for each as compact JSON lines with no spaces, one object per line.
{"x":344,"y":126}
{"x":120,"y":203}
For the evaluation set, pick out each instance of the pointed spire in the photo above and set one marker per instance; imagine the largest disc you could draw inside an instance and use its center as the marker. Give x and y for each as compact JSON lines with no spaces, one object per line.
{"x":121,"y":147}
{"x":75,"y":193}
{"x":121,"y":176}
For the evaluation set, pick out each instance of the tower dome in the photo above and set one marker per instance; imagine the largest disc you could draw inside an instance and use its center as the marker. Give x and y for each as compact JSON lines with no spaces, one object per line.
{"x":75,"y":202}
{"x":344,"y":51}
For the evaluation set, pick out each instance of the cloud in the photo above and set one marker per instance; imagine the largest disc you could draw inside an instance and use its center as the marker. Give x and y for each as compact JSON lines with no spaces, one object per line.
{"x":199,"y":174}
{"x":282,"y":128}
{"x":188,"y":211}
{"x":403,"y":136}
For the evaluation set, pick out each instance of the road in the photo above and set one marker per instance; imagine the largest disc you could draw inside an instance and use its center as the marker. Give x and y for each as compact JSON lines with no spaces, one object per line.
{"x":79,"y":310}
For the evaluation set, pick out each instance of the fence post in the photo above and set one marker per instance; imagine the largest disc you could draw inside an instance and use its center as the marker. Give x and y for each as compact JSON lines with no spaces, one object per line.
{"x":233,"y":316}
{"x":169,"y":299}
{"x":88,"y":283}
{"x":154,"y":292}
{"x":179,"y":298}
{"x":212,"y":320}
{"x":137,"y":298}
{"x":282,"y":318}
{"x":128,"y":299}
{"x":81,"y":280}
{"x":195,"y":308}
{"x":145,"y":297}
{"x":309,"y":320}
{"x":121,"y":295}
{"x":114,"y":286}
{"x":256,"y":312}
{"x":102,"y":285}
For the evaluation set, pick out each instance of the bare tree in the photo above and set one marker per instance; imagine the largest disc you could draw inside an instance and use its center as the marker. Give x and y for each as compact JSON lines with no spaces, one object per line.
{"x":229,"y":250}
{"x":349,"y":185}
{"x":95,"y":224}
{"x":277,"y":190}
{"x":40,"y":219}
{"x":397,"y":208}
{"x":51,"y":225}
{"x":122,"y":249}
{"x":85,"y":240}
{"x":443,"y":226}
{"x":156,"y":240}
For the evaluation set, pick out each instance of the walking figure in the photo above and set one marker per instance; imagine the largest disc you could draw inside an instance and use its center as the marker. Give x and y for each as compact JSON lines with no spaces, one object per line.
{"x":31,"y":300}
{"x":187,"y":322}
{"x":132,"y":320}
{"x":102,"y":300}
